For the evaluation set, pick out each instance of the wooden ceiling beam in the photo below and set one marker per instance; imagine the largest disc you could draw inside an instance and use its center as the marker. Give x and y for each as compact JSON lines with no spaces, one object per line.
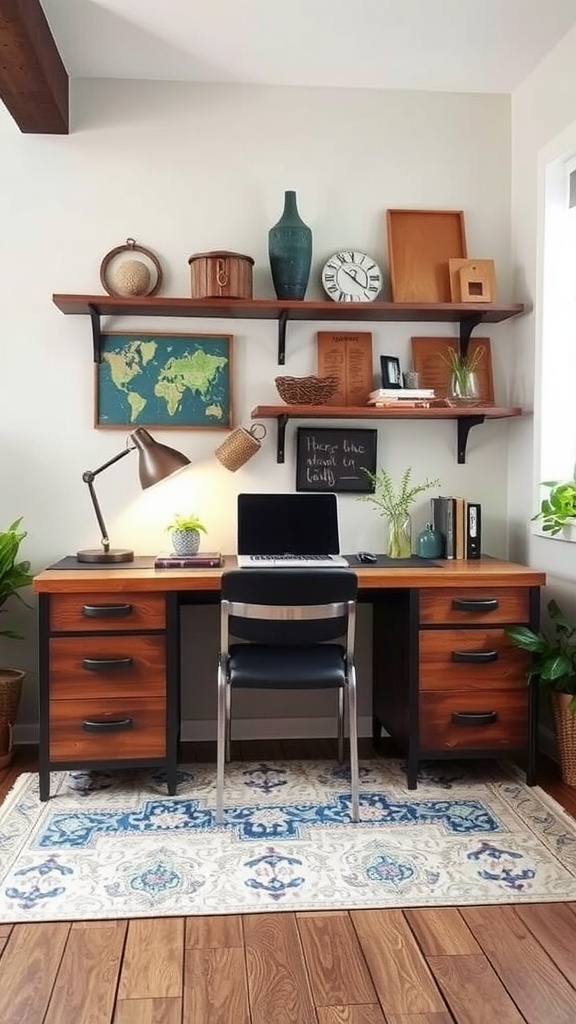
{"x":33,"y":79}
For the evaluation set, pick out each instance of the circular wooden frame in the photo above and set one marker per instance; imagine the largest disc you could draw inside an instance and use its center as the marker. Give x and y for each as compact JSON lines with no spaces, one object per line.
{"x":130,"y":246}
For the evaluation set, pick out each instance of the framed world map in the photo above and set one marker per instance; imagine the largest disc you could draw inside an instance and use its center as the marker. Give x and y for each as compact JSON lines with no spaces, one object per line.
{"x":153,"y":379}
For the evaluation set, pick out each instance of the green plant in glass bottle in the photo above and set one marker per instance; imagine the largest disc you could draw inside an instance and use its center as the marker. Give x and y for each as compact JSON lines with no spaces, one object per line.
{"x":394,"y":503}
{"x":463,"y":388}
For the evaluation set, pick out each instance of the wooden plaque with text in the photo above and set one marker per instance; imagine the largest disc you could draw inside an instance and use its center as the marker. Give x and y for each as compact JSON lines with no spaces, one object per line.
{"x":348,"y":356}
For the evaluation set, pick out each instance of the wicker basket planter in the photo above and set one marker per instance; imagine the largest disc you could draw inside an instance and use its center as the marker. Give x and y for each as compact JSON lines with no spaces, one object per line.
{"x":565,"y":726}
{"x":10,"y":692}
{"x":306,"y":390}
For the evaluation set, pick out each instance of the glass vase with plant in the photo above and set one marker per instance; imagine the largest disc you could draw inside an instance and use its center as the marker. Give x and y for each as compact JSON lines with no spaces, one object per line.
{"x":394,"y":503}
{"x":463,"y":385}
{"x":558,"y":509}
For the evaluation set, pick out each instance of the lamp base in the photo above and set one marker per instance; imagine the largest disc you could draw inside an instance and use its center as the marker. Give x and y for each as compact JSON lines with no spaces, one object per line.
{"x":105,"y":557}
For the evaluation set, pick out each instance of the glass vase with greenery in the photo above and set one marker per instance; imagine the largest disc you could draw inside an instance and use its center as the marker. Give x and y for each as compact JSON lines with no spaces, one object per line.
{"x":463,"y":386}
{"x":395,"y":503}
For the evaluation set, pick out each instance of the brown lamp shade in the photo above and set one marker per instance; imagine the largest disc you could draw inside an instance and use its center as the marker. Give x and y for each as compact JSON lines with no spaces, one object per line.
{"x":155,"y":461}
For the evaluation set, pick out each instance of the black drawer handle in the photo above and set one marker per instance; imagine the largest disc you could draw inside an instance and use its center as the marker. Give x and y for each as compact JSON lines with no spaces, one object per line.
{"x":107,"y":724}
{"x":475,"y":657}
{"x":106,"y":664}
{"x":474,"y":717}
{"x":475,"y":604}
{"x":106,"y":611}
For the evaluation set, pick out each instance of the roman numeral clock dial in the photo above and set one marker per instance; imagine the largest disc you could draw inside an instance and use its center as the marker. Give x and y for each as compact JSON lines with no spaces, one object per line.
{"x":351,"y":276}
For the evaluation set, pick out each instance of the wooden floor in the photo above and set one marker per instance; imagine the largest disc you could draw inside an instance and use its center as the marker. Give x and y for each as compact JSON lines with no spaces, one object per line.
{"x":479,"y":965}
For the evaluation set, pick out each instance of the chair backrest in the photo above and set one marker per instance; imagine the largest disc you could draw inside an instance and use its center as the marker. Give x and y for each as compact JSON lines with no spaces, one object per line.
{"x":288,"y":606}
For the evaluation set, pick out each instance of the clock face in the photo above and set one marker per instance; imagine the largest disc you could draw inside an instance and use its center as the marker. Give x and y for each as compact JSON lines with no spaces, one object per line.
{"x":350,"y":276}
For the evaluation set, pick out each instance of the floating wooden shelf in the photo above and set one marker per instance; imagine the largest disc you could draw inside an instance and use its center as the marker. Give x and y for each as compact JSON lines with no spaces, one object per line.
{"x":467,"y":314}
{"x":465,"y":418}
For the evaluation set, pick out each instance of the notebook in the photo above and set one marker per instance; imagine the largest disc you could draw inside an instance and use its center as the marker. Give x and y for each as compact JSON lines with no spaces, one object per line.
{"x":288,"y":531}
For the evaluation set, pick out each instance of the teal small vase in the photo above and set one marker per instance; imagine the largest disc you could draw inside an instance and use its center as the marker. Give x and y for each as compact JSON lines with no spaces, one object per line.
{"x":290,"y":252}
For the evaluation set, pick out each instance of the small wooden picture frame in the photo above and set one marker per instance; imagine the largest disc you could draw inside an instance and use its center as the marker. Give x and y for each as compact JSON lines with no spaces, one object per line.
{"x":472,"y":280}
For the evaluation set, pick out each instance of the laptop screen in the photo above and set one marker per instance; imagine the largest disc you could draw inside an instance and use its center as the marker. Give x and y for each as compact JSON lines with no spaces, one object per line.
{"x":298,"y":524}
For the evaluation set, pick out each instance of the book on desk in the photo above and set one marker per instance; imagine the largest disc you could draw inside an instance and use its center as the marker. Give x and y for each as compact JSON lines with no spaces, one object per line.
{"x":459,"y":523}
{"x":201,"y":560}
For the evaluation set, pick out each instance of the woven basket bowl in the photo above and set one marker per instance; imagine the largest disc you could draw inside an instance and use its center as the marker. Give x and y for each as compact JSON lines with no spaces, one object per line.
{"x":306,"y":390}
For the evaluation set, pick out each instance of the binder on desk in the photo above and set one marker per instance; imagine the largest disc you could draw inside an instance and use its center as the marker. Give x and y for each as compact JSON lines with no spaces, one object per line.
{"x":473,"y":529}
{"x":443,"y":518}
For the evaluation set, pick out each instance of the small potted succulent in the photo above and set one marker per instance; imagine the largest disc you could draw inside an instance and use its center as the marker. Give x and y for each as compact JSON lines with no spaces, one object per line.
{"x":185,"y":533}
{"x":558,"y":509}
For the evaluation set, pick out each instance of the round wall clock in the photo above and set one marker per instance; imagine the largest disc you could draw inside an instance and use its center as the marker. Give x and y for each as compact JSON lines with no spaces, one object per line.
{"x":350,"y":276}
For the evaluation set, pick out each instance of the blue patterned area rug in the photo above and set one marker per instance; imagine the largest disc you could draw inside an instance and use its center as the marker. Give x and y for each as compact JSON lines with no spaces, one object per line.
{"x":115,"y":846}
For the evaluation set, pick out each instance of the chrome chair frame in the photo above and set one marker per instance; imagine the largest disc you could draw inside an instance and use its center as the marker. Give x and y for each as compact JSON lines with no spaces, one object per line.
{"x":286,"y":613}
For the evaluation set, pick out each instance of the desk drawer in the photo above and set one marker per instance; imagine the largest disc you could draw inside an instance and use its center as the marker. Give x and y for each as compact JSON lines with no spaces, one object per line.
{"x":107,"y":666}
{"x":470,"y":659}
{"x":465,"y":720}
{"x":104,"y":613}
{"x":454,"y":605}
{"x":120,"y":728}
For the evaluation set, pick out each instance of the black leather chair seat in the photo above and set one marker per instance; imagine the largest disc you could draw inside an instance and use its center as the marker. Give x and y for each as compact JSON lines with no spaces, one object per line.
{"x":318,"y":667}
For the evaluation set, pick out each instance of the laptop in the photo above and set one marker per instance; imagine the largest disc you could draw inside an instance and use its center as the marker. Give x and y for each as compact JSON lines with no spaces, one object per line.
{"x":291,"y":531}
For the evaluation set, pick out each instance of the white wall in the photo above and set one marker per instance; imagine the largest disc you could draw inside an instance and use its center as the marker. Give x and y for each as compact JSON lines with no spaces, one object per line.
{"x":543,"y":113}
{"x":184,"y":169}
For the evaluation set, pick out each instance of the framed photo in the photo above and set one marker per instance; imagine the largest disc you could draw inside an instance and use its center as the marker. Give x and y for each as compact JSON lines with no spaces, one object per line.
{"x":168,"y":381}
{"x":390,"y":369}
{"x":335,"y":459}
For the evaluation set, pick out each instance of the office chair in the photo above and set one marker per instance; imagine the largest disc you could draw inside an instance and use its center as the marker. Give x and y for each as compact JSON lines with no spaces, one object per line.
{"x":289,"y":622}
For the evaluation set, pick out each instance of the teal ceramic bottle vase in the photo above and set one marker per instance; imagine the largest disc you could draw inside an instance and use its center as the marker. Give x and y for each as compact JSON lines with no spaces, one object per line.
{"x":290,"y":252}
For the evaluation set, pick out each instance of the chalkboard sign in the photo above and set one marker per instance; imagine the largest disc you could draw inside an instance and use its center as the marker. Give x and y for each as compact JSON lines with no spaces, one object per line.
{"x":335,"y":460}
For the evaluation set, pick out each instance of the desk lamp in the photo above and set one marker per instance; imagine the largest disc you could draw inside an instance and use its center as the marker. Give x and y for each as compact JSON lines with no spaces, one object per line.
{"x":155,"y":462}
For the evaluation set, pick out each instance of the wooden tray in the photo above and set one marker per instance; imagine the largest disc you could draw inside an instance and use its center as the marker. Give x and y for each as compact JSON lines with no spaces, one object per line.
{"x":434,"y":372}
{"x":420,"y":243}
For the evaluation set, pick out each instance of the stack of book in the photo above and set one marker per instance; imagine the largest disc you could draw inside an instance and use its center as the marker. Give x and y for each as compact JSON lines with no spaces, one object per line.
{"x":459,"y":523}
{"x":201,"y":560}
{"x":404,"y":398}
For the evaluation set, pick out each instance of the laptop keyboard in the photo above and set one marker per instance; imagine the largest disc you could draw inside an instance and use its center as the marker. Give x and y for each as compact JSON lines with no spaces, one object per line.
{"x":292,"y":561}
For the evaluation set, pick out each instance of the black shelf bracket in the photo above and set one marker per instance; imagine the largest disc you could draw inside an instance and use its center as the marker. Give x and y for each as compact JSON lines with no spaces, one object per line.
{"x":95,"y":321}
{"x":281,"y":437}
{"x":467,"y":325}
{"x":464,"y":426}
{"x":282,"y":320}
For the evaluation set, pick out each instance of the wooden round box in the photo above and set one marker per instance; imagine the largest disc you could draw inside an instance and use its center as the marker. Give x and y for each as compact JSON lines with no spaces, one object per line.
{"x":221,"y":275}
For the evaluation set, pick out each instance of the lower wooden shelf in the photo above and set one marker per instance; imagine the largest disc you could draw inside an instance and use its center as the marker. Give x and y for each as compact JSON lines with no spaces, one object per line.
{"x":466,"y":418}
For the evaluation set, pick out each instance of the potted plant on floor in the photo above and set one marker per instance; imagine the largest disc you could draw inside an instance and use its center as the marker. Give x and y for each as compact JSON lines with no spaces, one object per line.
{"x":558,"y":509}
{"x":554,"y":666}
{"x":14,"y":575}
{"x":394,"y":503}
{"x":185,"y":533}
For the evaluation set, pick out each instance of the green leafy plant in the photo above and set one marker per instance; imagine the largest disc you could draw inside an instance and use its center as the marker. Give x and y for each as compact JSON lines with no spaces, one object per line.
{"x":392,"y":502}
{"x":186,"y":522}
{"x":558,"y":507}
{"x":461,"y":366}
{"x":14,"y":575}
{"x":553,"y":657}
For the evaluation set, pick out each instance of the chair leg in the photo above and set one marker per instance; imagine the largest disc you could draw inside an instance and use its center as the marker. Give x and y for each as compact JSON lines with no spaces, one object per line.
{"x":221,"y":743}
{"x":228,"y":723}
{"x":353,"y":728}
{"x":341,"y":724}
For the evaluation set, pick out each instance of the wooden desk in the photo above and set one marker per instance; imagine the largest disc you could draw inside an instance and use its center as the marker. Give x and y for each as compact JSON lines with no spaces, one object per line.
{"x":446,"y":681}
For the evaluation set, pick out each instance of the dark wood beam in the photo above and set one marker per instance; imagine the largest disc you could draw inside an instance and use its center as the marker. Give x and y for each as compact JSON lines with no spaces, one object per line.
{"x":33,"y":79}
